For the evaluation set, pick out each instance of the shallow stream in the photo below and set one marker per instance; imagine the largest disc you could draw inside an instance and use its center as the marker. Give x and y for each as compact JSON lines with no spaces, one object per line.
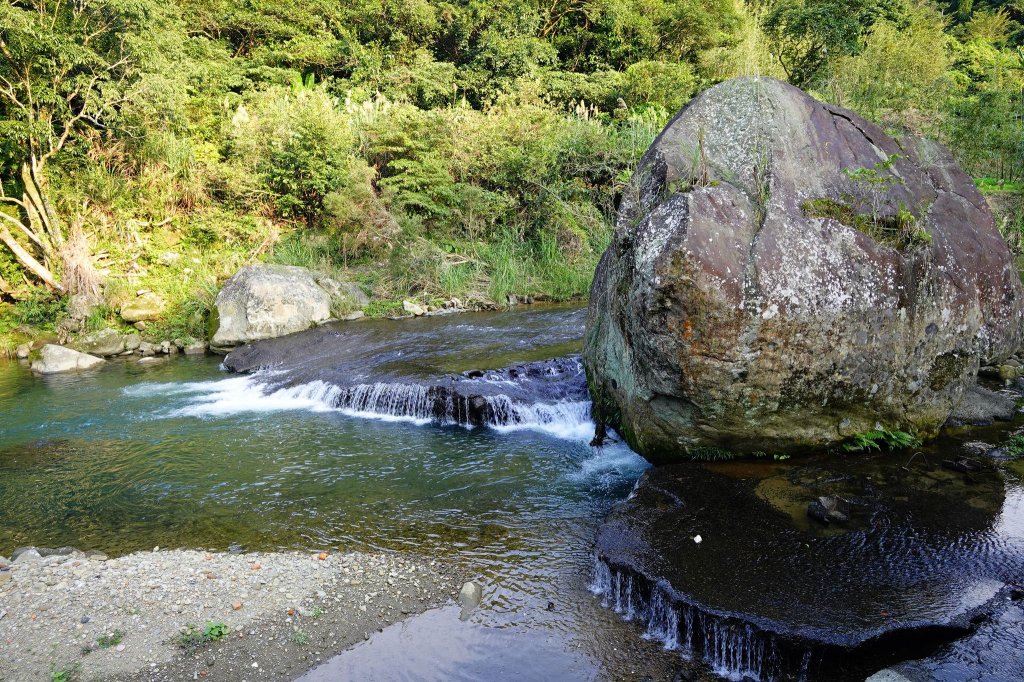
{"x":181,"y":453}
{"x":459,"y":438}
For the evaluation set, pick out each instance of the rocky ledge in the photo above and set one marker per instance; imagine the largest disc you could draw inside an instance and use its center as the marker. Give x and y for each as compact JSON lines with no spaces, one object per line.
{"x":827,"y":569}
{"x":143,"y":616}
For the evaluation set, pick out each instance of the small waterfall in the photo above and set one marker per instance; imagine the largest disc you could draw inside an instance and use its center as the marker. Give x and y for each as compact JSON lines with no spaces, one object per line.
{"x":546,"y":396}
{"x":732,"y":649}
{"x":663,"y":621}
{"x":399,"y":401}
{"x":442,"y":405}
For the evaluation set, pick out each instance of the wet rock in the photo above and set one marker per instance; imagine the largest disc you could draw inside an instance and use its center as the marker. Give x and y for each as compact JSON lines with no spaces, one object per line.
{"x":132,"y":342}
{"x":54,"y":359}
{"x":981,"y":406}
{"x":25,"y":554}
{"x":1009,"y":373}
{"x":102,"y":343}
{"x":829,"y":509}
{"x":23,"y":351}
{"x":977,"y":448}
{"x":963,"y":465}
{"x":740,"y":306}
{"x":145,"y":308}
{"x":993,"y":653}
{"x":888,"y":675}
{"x":194,"y":347}
{"x":469,"y":597}
{"x":988,"y":371}
{"x":147,"y":349}
{"x":775,"y":581}
{"x":264,"y":301}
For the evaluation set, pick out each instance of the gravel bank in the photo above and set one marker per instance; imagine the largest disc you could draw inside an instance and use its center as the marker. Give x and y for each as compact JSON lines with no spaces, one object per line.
{"x":123,"y":619}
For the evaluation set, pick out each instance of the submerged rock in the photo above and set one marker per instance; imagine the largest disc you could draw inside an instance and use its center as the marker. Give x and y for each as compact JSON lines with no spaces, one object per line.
{"x":265,"y":301}
{"x":469,"y":598}
{"x":54,"y":359}
{"x":784,"y":274}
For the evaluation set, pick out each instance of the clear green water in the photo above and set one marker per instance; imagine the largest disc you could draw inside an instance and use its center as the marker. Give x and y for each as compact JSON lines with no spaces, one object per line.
{"x":183,"y":454}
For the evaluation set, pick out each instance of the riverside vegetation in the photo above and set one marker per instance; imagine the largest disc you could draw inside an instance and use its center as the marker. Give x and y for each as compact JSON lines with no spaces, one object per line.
{"x":423,"y":149}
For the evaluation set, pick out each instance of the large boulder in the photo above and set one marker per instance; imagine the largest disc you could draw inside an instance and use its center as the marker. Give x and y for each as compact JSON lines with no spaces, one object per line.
{"x":784,"y":274}
{"x":264,"y":301}
{"x":54,"y":359}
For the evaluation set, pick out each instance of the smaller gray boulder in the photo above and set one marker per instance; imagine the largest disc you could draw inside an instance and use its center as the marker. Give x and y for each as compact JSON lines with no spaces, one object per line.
{"x":981,"y":407}
{"x":264,"y":301}
{"x":54,"y":359}
{"x":345,"y":296}
{"x":103,"y":343}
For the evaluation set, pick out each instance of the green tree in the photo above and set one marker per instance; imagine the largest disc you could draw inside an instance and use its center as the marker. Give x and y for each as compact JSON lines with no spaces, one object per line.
{"x":808,"y":36}
{"x":66,"y":67}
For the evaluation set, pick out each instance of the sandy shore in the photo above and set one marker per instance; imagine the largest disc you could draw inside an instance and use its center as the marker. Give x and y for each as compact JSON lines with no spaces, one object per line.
{"x":123,"y":618}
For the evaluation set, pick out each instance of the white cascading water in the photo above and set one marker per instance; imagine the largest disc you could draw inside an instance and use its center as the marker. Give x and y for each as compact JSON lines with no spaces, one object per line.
{"x":663,"y":621}
{"x":733,"y":650}
{"x":569,"y":419}
{"x":408,"y":402}
{"x":566,"y":419}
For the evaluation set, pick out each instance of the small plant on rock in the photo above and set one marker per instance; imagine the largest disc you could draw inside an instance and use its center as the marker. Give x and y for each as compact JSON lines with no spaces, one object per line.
{"x":1015,"y":446}
{"x":876,"y":439}
{"x":300,"y":638}
{"x":872,"y":185}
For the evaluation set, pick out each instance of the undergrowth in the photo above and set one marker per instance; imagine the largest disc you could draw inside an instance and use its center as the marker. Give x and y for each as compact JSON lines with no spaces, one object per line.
{"x":877,"y":439}
{"x":193,"y":638}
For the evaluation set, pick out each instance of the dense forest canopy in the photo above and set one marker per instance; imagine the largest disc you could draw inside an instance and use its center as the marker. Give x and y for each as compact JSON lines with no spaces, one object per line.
{"x":431,"y":148}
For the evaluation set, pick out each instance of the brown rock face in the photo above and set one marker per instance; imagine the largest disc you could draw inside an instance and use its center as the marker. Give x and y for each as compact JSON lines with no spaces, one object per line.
{"x":784,"y":274}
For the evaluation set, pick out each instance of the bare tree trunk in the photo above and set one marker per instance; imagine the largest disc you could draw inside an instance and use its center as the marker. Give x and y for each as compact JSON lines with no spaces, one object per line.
{"x":27,"y":260}
{"x":39,"y":224}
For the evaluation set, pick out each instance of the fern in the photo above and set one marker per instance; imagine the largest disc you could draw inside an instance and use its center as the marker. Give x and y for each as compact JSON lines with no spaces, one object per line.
{"x":876,"y":439}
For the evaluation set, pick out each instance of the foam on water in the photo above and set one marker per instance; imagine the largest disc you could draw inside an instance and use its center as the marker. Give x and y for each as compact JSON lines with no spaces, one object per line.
{"x":611,"y":463}
{"x":247,"y":394}
{"x":566,"y":419}
{"x":397,"y":402}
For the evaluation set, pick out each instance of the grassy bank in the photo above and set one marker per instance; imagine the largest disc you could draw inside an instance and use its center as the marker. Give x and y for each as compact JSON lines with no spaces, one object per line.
{"x":425,"y":150}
